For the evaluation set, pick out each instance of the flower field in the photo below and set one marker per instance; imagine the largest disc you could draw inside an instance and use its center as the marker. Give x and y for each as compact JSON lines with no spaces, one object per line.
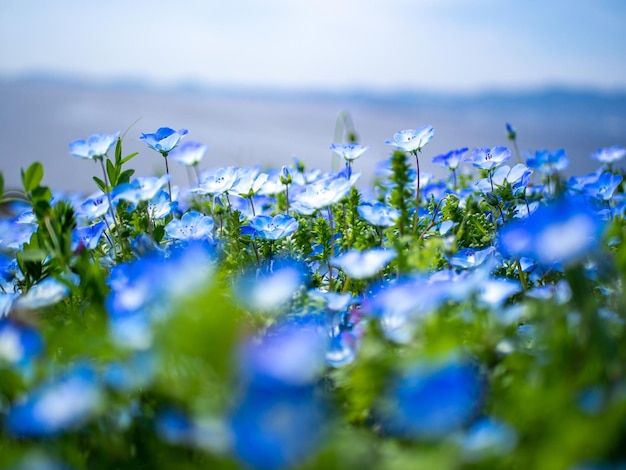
{"x":277,"y":318}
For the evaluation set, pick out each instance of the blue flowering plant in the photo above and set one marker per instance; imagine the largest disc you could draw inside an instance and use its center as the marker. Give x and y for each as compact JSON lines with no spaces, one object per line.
{"x":289,"y":318}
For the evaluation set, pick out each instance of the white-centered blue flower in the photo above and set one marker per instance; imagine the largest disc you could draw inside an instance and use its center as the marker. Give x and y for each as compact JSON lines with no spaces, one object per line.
{"x":192,"y":226}
{"x":452,"y":159}
{"x":95,"y":147}
{"x":363,"y":264}
{"x":349,"y":152}
{"x":216,"y":181}
{"x":379,"y":214}
{"x":470,"y":257}
{"x":164,"y":139}
{"x":325,"y":192}
{"x":143,"y":188}
{"x":273,"y":228}
{"x":189,"y":153}
{"x":412,"y":140}
{"x":488,"y":159}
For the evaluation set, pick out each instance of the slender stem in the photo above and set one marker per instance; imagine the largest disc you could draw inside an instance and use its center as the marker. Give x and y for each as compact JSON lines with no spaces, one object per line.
{"x":417,"y":193}
{"x":519,"y":157}
{"x":195,"y":167}
{"x":108,"y":194}
{"x":287,"y":196}
{"x":167,"y":170}
{"x":332,"y":237}
{"x":252,"y":206}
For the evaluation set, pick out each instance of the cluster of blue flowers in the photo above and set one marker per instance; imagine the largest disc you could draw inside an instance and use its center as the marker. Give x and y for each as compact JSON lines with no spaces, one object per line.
{"x":283,"y":318}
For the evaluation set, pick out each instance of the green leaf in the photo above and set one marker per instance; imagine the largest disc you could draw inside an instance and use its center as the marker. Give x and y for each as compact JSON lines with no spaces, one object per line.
{"x":118,"y":152}
{"x":112,"y":172}
{"x":32,"y":176}
{"x":100,"y":184}
{"x":125,"y":176}
{"x":129,"y":157}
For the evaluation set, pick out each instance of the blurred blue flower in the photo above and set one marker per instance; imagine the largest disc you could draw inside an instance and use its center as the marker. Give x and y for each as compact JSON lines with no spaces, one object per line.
{"x":433,"y":399}
{"x":249,"y":181}
{"x":548,"y":163}
{"x":609,"y":154}
{"x":19,"y":343}
{"x":510,"y":131}
{"x":343,"y":347}
{"x":272,"y":228}
{"x":269,"y":290}
{"x":488,"y":437}
{"x":61,"y":405}
{"x":379,"y":214}
{"x":188,"y":153}
{"x":13,"y":235}
{"x":603,"y":187}
{"x":451,"y":159}
{"x":412,"y":140}
{"x":277,"y":428}
{"x":192,"y":226}
{"x":363,"y":264}
{"x":470,"y":257}
{"x":488,"y":159}
{"x":164,"y":139}
{"x":561,"y":232}
{"x":95,"y":147}
{"x":47,"y":292}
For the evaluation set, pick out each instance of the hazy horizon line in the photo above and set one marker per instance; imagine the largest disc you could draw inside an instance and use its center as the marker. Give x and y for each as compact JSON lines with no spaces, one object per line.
{"x":191,"y":86}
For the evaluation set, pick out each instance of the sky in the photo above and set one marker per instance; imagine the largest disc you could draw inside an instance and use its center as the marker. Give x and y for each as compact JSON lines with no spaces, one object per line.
{"x":388,"y":45}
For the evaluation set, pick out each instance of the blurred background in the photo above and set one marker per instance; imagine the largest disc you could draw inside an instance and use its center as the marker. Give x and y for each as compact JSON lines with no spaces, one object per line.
{"x":264,"y":81}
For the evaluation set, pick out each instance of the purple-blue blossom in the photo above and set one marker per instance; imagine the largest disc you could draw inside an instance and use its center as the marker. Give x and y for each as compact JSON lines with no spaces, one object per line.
{"x":452,"y":159}
{"x":609,"y":154}
{"x":548,"y":162}
{"x":192,"y":226}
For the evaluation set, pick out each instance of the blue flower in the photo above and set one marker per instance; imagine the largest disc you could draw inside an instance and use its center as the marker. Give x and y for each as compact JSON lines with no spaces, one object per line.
{"x":272,"y":289}
{"x":470,"y":257}
{"x":561,"y":232}
{"x":164,"y":139}
{"x":488,"y":159}
{"x":412,"y":140}
{"x":511,"y":133}
{"x":94,"y":207}
{"x":432,"y":400}
{"x":216,"y":181}
{"x":349,"y":152}
{"x":95,"y":147}
{"x":18,"y":343}
{"x":87,"y":237}
{"x":517,"y":177}
{"x":609,"y":154}
{"x":188,"y":153}
{"x":160,"y":206}
{"x":451,"y":159}
{"x":143,"y":188}
{"x":249,"y":182}
{"x":488,"y":437}
{"x":548,"y":163}
{"x":604,"y":186}
{"x":273,"y":228}
{"x":47,"y":292}
{"x":323,"y":193}
{"x":62,"y":405}
{"x":192,"y":226}
{"x":379,"y":214}
{"x":363,"y":264}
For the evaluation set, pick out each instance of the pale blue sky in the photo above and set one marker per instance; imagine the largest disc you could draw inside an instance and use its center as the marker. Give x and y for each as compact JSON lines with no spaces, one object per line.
{"x":423,"y":45}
